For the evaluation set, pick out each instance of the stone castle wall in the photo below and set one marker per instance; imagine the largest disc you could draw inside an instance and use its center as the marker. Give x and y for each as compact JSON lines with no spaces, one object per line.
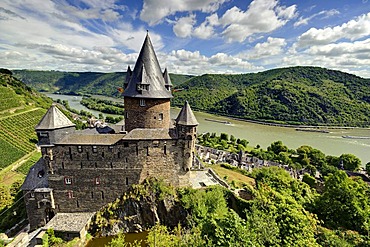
{"x":99,"y":174}
{"x":154,"y":114}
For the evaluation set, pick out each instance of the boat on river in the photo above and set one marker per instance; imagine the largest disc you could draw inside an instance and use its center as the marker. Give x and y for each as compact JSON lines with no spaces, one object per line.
{"x":312,"y":130}
{"x":357,"y":137}
{"x":218,"y":121}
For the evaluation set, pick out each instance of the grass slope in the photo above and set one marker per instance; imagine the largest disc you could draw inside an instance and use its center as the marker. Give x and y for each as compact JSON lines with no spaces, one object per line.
{"x":296,"y":95}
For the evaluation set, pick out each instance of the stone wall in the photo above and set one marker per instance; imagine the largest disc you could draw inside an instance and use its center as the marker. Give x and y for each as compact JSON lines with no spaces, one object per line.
{"x":154,"y":114}
{"x":87,"y":177}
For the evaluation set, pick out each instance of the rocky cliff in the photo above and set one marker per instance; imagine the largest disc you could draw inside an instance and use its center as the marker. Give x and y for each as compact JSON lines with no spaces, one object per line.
{"x":139,"y":209}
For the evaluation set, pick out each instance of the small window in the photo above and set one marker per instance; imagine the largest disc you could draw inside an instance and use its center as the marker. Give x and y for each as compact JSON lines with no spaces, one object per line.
{"x":126,"y":114}
{"x":110,"y":148}
{"x":79,"y":149}
{"x":97,"y":180}
{"x":70,"y":194}
{"x":94,"y":149}
{"x":44,"y":134}
{"x":67,"y":180}
{"x":142,"y":102}
{"x":160,"y":118}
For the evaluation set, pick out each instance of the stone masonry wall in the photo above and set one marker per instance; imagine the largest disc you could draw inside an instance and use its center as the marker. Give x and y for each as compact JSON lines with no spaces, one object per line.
{"x":87,"y":177}
{"x":147,"y":116}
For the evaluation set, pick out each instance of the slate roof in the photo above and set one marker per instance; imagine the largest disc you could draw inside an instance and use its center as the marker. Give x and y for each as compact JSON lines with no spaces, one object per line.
{"x":90,"y":139}
{"x":53,"y":119}
{"x":147,"y":72}
{"x":150,"y":134}
{"x":186,"y":116}
{"x":69,"y":222}
{"x":34,"y":179}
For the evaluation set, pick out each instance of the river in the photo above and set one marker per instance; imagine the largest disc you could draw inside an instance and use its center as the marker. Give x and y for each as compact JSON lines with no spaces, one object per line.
{"x":329,"y":143}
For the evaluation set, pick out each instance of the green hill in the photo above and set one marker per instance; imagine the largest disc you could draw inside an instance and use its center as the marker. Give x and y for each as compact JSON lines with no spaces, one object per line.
{"x":80,"y":82}
{"x":21,"y":108}
{"x":296,"y":95}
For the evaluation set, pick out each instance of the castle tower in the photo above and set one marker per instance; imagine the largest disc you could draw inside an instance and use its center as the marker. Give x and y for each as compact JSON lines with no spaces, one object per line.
{"x":186,"y":125}
{"x":147,"y":92}
{"x":53,"y":126}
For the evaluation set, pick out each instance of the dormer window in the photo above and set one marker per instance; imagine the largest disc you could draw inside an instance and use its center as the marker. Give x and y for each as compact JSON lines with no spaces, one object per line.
{"x":142,"y":102}
{"x":142,"y":87}
{"x":44,"y":134}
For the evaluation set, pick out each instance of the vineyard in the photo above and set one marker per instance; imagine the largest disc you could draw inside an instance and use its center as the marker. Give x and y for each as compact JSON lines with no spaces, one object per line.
{"x":9,"y":99}
{"x":25,"y":167}
{"x":18,"y":136}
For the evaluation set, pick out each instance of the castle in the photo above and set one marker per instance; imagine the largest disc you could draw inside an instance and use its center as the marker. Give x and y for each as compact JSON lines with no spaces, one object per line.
{"x":82,"y":170}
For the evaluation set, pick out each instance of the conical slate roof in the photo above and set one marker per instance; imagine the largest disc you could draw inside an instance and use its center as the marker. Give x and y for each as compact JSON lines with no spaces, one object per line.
{"x":186,"y":116}
{"x":53,"y":119}
{"x":147,"y":80}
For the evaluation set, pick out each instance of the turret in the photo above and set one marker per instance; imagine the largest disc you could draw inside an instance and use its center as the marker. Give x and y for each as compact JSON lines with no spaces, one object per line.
{"x":186,"y":126}
{"x":53,"y":126}
{"x":148,"y":92}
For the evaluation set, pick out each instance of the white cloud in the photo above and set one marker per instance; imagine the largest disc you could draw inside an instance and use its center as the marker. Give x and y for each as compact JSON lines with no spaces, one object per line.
{"x":352,"y":30}
{"x":187,"y":62}
{"x":272,"y":47}
{"x":325,"y":14}
{"x":262,"y":16}
{"x":184,"y":26}
{"x":154,"y":11}
{"x":357,"y":48}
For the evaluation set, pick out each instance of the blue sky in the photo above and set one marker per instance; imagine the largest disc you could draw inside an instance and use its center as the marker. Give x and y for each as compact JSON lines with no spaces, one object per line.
{"x":190,"y":36}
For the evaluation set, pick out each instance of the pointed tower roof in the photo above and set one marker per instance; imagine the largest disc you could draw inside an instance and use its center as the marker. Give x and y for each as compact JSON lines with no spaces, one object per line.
{"x":186,"y":116}
{"x":146,"y":80}
{"x":167,"y":79}
{"x":54,"y":119}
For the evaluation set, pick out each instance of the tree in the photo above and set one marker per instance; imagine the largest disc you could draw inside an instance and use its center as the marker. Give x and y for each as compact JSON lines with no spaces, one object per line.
{"x":344,"y":203}
{"x":350,"y":162}
{"x":277,"y":147}
{"x":367,"y":167}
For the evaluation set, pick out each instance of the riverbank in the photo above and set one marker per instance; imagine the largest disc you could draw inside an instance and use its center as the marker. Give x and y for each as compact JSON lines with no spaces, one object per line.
{"x":285,"y":125}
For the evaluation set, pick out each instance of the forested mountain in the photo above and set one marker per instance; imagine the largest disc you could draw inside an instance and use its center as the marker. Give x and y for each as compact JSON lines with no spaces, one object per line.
{"x":297,"y":95}
{"x":80,"y":82}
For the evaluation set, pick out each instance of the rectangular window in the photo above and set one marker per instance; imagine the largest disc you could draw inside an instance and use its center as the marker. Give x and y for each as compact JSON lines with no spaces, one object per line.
{"x":102,"y":195}
{"x":110,"y":148}
{"x":67,"y":180}
{"x":94,"y":149}
{"x":70,"y":194}
{"x":126,"y":114}
{"x":97,"y":180}
{"x":43,"y":134}
{"x":165,"y":149}
{"x":70,"y":153}
{"x":160,"y":118}
{"x":126,"y":180}
{"x":142,"y":102}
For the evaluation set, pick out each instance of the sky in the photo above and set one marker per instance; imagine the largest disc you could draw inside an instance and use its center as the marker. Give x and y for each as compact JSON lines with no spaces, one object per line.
{"x":189,"y":36}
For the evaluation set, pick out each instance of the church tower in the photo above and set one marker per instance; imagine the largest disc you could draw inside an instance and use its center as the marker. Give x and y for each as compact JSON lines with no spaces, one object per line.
{"x":147,"y":92}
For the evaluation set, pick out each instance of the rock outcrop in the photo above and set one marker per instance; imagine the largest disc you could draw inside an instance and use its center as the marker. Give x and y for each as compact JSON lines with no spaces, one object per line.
{"x":139,"y":209}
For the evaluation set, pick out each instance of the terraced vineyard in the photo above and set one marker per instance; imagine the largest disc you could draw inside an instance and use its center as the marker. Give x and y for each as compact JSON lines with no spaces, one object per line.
{"x":9,"y":99}
{"x":25,"y":167}
{"x":18,"y":136}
